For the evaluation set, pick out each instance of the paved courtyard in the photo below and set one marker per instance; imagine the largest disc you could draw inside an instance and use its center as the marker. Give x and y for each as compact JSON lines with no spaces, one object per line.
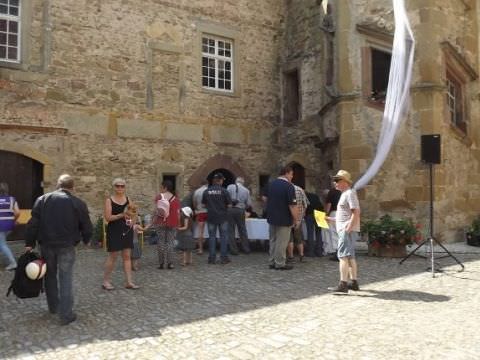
{"x":245,"y":311}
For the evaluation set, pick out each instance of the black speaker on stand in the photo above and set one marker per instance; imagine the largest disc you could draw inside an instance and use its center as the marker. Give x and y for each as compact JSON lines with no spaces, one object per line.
{"x":431,"y":154}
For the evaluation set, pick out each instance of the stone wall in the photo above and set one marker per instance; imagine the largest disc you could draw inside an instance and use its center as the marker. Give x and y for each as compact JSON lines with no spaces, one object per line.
{"x":401,"y":187}
{"x":112,"y":89}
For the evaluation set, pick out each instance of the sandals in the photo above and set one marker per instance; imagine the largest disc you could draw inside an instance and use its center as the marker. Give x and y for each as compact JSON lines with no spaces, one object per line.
{"x":108,"y":287}
{"x":132,"y":287}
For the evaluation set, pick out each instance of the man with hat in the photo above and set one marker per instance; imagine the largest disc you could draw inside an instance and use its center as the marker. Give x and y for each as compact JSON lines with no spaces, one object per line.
{"x":348,"y":227}
{"x":217,"y":200}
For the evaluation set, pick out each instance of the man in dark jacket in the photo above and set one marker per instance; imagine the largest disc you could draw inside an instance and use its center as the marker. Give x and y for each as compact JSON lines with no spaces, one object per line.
{"x":217,"y":200}
{"x":314,"y":232}
{"x":59,"y":221}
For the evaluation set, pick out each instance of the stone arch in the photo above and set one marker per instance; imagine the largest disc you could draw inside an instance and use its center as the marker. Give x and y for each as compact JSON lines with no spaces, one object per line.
{"x":216,"y":162}
{"x":298,"y":174}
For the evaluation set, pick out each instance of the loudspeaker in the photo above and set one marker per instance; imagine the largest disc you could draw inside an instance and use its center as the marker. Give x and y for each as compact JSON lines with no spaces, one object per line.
{"x":431,"y":148}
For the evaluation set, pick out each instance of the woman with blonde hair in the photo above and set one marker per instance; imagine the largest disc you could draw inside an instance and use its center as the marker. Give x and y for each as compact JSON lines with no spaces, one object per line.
{"x":119,"y":234}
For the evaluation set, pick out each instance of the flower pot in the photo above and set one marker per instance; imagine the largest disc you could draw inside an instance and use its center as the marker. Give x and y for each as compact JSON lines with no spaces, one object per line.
{"x":393,"y":251}
{"x":473,"y":240}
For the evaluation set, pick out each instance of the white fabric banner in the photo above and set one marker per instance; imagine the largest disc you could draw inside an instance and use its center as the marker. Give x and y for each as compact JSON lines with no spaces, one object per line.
{"x":398,"y":90}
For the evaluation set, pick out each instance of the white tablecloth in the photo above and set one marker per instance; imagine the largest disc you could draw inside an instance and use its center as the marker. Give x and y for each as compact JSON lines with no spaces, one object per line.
{"x":257,"y":229}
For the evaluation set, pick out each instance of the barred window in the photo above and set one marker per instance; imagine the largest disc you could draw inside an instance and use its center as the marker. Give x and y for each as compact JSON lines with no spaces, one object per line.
{"x":217,"y":63}
{"x":10,"y":30}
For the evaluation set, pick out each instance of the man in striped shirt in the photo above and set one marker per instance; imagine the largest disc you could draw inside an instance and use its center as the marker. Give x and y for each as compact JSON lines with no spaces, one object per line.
{"x":296,"y":238}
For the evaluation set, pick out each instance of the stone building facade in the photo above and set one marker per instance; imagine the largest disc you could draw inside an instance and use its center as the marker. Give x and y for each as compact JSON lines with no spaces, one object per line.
{"x":174,"y":89}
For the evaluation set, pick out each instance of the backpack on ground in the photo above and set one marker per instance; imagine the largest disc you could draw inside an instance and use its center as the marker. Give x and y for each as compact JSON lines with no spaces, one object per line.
{"x":21,"y":285}
{"x":163,"y":207}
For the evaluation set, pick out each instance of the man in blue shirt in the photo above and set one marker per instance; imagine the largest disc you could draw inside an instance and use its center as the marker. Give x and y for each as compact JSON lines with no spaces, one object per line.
{"x":282,"y":214}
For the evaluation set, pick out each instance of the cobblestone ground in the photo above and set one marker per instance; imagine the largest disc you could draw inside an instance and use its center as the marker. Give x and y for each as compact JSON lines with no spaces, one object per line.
{"x":245,"y":311}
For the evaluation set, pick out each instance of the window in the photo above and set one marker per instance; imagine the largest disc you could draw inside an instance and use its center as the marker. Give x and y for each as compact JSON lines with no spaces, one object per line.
{"x":10,"y":30}
{"x":217,"y":64}
{"x":380,"y":70}
{"x":292,"y":97}
{"x":455,"y":104}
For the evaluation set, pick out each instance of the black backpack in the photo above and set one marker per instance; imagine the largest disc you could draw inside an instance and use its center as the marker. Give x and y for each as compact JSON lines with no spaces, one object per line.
{"x":21,"y":285}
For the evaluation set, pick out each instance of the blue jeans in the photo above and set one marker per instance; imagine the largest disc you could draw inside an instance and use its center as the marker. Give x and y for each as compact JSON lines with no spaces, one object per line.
{"x":59,"y":292}
{"x":212,"y":240}
{"x":5,"y":249}
{"x":315,"y":243}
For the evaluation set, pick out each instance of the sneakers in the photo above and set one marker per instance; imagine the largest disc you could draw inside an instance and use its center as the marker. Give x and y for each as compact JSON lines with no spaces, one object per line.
{"x":160,"y":267}
{"x":170,"y":266}
{"x":11,"y":266}
{"x":353,"y":285}
{"x":290,"y":260}
{"x":342,"y":287}
{"x":212,"y":261}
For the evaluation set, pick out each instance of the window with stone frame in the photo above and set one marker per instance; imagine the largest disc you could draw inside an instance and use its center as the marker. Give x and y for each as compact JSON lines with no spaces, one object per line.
{"x":217,"y":63}
{"x":292,"y":97}
{"x":10,"y":25}
{"x":455,"y":102}
{"x":379,"y":72}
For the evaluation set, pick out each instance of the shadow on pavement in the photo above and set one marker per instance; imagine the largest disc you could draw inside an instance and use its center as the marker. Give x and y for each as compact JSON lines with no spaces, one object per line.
{"x":404,"y":295}
{"x":185,"y":295}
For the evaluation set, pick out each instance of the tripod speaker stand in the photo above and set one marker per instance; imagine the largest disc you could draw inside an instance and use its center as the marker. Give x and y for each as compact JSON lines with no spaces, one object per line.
{"x":431,"y":155}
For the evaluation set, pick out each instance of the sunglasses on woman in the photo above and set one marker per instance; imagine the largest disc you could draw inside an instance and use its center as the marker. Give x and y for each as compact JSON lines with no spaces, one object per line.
{"x":119,"y":185}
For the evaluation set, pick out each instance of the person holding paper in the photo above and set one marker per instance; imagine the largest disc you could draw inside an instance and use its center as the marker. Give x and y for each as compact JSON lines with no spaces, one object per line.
{"x":330,"y":236}
{"x":347,"y":222}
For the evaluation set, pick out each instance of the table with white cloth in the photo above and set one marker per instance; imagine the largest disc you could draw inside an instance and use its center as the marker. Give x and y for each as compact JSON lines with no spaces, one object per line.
{"x":257,"y":229}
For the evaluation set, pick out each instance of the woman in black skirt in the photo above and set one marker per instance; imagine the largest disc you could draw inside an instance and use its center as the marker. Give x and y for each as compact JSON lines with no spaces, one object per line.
{"x":119,"y":235}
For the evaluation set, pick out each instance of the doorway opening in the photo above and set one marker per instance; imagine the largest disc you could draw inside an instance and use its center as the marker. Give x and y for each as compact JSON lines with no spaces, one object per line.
{"x":227,"y":174}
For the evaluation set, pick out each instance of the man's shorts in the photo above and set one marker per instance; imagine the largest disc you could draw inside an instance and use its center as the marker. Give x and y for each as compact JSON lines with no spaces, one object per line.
{"x":297,"y":236}
{"x":202,"y":217}
{"x":346,"y":244}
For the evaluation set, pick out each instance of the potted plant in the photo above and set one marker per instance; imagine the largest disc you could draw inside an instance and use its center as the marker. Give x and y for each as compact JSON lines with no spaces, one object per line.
{"x":473,"y":233}
{"x":97,"y":237}
{"x":388,"y":237}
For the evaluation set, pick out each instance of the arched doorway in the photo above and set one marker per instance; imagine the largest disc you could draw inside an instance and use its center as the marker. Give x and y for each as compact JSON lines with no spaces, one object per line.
{"x":24,"y":177}
{"x":221,"y":163}
{"x":298,"y":174}
{"x":229,"y":176}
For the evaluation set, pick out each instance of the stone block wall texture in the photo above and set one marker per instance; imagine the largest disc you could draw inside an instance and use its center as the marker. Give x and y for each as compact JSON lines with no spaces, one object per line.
{"x":401,"y":187}
{"x":113,"y":88}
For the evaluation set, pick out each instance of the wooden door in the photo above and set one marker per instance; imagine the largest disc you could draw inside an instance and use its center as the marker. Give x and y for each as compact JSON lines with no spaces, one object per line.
{"x":24,"y":178}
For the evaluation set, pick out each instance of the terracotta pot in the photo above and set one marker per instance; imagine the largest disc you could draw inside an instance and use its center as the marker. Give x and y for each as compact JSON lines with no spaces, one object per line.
{"x":393,"y":251}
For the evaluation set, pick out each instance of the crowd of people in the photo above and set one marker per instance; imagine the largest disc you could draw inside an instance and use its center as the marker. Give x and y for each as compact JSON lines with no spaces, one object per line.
{"x":60,"y":220}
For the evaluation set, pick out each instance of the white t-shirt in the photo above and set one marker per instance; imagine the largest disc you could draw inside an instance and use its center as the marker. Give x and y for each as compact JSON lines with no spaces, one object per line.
{"x":348,"y":201}
{"x":197,"y":200}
